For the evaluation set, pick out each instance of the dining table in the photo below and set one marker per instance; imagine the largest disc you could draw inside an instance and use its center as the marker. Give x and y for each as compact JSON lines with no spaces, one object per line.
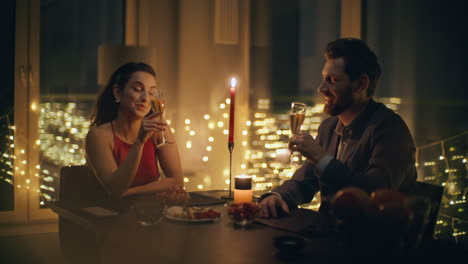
{"x":111,"y":232}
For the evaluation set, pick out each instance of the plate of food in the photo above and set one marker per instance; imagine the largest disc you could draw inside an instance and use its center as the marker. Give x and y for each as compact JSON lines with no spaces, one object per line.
{"x":192,"y":214}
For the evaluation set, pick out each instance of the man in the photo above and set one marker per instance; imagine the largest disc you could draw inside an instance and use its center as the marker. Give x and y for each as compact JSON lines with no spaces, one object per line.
{"x":362,"y":143}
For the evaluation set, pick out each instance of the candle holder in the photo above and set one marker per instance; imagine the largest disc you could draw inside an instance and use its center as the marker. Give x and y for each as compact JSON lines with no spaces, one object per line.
{"x":242,"y":214}
{"x":230,"y":194}
{"x":242,"y":211}
{"x":231,"y":134}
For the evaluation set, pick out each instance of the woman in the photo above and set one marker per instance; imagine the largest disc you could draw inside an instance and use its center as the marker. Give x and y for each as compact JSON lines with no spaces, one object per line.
{"x":121,"y":143}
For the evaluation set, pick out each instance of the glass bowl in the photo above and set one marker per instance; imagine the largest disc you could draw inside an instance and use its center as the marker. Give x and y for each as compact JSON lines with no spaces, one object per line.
{"x":242,"y":214}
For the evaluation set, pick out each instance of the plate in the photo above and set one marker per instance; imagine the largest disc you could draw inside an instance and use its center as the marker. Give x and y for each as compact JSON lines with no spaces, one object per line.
{"x":179,"y":213}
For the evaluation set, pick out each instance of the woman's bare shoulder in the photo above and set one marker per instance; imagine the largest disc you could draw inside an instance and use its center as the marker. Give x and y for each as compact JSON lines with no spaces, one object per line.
{"x":102,"y":132}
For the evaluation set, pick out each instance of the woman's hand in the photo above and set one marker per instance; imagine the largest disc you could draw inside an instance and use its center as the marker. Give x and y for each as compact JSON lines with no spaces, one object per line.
{"x":149,"y":125}
{"x":305,"y":144}
{"x":177,"y":195}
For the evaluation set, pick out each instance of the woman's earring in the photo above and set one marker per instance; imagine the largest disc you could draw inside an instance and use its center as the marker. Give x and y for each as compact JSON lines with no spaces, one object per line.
{"x":117,"y":100}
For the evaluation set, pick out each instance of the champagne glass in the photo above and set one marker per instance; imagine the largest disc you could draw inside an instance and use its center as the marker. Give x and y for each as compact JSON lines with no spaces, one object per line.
{"x":158,"y":106}
{"x":296,"y":117}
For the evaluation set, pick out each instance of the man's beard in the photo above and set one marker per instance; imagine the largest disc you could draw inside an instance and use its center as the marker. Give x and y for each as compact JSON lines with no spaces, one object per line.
{"x":340,"y":103}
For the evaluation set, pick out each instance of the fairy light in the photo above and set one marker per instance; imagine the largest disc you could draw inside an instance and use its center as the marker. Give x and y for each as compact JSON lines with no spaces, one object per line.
{"x":63,"y":129}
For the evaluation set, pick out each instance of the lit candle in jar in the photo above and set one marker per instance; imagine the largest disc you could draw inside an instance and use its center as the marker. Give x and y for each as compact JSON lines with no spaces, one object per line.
{"x":242,"y":189}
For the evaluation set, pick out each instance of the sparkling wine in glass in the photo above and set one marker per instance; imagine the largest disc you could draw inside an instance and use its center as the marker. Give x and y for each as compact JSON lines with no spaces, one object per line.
{"x":296,"y":117}
{"x":158,"y":106}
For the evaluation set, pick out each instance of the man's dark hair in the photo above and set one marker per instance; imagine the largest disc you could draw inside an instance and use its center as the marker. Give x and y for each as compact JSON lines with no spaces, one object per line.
{"x":359,"y":60}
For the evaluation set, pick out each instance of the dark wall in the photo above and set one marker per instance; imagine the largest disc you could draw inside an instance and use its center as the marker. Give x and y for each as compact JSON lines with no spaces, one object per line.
{"x":441,"y":82}
{"x":284,"y":51}
{"x":7,"y":76}
{"x":421,"y":47}
{"x":71,"y":32}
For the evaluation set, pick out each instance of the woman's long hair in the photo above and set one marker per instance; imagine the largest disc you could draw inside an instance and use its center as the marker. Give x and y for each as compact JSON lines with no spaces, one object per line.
{"x":106,"y":107}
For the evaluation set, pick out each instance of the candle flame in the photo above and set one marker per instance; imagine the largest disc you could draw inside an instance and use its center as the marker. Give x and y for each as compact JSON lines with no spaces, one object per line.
{"x":233,"y":82}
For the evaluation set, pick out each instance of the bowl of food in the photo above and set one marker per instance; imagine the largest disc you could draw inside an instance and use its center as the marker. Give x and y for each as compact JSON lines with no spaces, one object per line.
{"x":242,"y":214}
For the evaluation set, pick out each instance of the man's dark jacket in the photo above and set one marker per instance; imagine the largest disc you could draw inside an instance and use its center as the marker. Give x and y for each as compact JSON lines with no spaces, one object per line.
{"x":380,"y":153}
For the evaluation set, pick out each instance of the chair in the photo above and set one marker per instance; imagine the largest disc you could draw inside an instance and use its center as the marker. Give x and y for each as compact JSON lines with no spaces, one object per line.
{"x":78,"y":183}
{"x":433,"y":197}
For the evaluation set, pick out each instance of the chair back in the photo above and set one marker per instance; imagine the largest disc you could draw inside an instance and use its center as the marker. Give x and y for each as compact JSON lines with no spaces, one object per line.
{"x":433,"y":194}
{"x":78,"y":183}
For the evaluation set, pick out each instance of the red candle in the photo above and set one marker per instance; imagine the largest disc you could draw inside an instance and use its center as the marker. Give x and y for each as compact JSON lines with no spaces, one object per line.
{"x":231,"y":112}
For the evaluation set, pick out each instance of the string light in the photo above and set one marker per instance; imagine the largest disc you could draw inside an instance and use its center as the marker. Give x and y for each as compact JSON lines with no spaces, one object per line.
{"x":63,"y":129}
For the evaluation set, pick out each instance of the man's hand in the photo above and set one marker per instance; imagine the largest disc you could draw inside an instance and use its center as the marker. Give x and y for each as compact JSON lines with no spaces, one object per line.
{"x":305,"y":144}
{"x":272,"y":205}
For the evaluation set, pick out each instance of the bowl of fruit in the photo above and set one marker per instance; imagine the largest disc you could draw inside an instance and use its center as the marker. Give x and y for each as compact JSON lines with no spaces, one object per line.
{"x":242,"y":214}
